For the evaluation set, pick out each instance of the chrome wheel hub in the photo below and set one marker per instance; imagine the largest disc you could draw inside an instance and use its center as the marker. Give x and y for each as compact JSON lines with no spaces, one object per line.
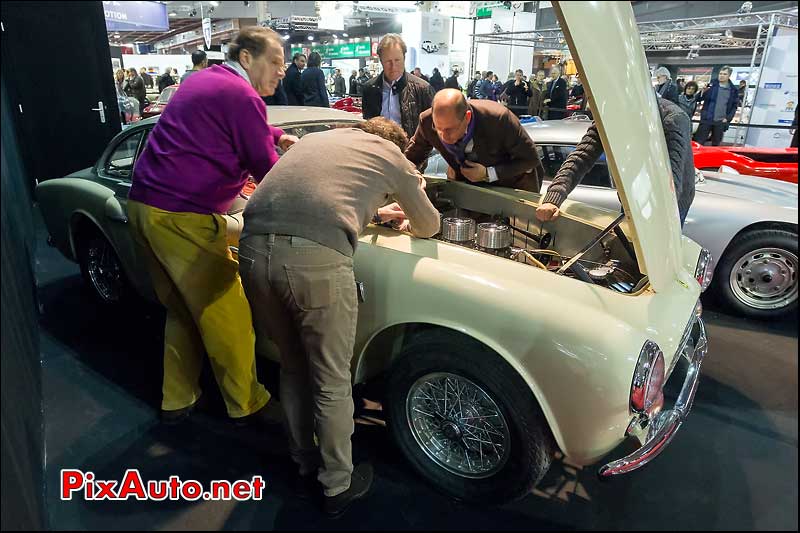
{"x":458,"y":425}
{"x":765,"y":278}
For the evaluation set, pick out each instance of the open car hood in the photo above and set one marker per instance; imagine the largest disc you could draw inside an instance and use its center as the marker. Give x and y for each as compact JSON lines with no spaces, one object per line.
{"x":604,"y":41}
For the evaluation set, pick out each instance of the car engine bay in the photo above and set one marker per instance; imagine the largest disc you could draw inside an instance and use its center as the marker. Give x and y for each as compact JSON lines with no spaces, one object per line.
{"x":508,"y":229}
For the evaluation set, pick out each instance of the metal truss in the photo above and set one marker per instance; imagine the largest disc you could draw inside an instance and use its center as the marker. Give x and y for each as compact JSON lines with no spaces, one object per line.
{"x":722,"y":22}
{"x":691,"y":41}
{"x":703,"y":33}
{"x":295,"y":23}
{"x":358,"y":8}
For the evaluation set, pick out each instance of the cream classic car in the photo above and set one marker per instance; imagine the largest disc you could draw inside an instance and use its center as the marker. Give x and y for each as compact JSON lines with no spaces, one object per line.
{"x":501,"y":344}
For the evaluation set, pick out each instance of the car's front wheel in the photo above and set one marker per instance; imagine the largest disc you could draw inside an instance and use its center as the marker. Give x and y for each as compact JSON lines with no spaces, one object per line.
{"x":466,"y":421}
{"x":757,"y":275}
{"x":101,"y":269}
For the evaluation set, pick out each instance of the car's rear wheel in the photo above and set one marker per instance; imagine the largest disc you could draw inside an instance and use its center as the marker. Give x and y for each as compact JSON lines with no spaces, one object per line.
{"x":466,"y":421}
{"x":102,"y":270}
{"x":757,"y":276}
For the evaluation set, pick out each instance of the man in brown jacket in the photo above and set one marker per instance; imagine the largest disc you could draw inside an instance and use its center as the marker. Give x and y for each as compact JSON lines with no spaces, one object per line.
{"x":482,"y":141}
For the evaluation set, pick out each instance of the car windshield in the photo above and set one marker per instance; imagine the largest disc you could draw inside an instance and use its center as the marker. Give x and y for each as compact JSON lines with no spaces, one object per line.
{"x":166,"y":94}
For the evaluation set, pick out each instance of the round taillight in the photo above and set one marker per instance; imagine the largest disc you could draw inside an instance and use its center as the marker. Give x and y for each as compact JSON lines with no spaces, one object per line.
{"x":648,"y":380}
{"x":654,"y":395}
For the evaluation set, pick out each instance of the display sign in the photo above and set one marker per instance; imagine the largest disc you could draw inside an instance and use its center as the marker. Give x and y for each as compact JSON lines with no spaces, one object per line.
{"x":339,"y":51}
{"x":136,"y":16}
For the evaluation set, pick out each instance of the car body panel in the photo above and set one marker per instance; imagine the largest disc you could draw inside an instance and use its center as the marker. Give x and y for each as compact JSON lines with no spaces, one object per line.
{"x":635,"y":146}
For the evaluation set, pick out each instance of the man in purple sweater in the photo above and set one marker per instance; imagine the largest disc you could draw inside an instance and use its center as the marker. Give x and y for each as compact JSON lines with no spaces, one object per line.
{"x":213,"y":135}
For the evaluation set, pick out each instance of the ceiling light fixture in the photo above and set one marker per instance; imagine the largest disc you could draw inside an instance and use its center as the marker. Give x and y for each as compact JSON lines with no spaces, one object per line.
{"x":215,"y":4}
{"x":345,"y":35}
{"x":310,"y":37}
{"x":173,"y":14}
{"x":285,"y":36}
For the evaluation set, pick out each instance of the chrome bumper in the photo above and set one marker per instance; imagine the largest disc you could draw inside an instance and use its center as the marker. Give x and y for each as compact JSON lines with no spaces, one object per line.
{"x":663,"y":426}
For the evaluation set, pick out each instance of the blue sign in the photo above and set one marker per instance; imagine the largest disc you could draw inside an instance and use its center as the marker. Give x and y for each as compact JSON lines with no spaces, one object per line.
{"x":136,"y":16}
{"x":784,"y":121}
{"x":773,"y":85}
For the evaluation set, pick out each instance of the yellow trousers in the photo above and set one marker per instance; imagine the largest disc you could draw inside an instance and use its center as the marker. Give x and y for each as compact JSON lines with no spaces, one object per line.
{"x":197,"y":279}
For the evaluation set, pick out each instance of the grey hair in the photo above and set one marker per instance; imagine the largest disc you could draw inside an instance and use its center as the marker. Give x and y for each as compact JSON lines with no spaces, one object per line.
{"x":663,"y":71}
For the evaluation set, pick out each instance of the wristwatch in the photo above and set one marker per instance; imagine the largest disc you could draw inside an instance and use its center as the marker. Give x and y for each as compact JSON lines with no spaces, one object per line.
{"x":376,"y":219}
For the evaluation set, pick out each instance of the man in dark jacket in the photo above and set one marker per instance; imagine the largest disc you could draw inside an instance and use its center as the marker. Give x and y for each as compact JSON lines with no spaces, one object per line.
{"x":165,"y":80}
{"x":482,"y":142}
{"x":146,"y":78}
{"x":678,"y":133}
{"x":353,"y":84}
{"x":362,"y":79}
{"x":720,"y":100}
{"x":476,"y":79}
{"x":452,"y":81}
{"x":394,"y":93}
{"x":339,"y":85}
{"x":665,"y":87}
{"x":136,"y":87}
{"x":436,"y":81}
{"x":292,"y":81}
{"x":556,"y":98}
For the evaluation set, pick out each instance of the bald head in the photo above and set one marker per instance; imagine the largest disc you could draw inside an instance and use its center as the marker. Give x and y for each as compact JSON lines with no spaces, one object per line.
{"x":450,"y":101}
{"x":451,"y":115}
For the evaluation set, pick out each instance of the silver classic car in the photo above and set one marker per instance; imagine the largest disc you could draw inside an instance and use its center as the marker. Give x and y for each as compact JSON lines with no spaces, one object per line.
{"x":503,"y":343}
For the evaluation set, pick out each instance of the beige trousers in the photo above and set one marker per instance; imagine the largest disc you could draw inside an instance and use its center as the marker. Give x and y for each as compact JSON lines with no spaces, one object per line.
{"x":303,"y":296}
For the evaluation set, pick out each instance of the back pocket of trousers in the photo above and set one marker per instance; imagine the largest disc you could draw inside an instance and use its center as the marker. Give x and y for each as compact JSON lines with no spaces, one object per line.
{"x":313,"y":287}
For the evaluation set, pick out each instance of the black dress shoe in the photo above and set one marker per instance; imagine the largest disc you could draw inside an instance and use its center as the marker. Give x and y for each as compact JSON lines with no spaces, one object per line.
{"x":176,"y":416}
{"x":269,"y":415}
{"x":360,"y":482}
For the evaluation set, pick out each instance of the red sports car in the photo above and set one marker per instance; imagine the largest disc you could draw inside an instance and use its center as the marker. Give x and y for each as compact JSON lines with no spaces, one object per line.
{"x":163,"y":99}
{"x":775,"y":163}
{"x":349,"y":104}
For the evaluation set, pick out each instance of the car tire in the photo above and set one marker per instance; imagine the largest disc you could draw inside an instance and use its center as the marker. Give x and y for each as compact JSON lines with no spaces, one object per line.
{"x":102,"y":270}
{"x":775,"y":252}
{"x":520,"y":430}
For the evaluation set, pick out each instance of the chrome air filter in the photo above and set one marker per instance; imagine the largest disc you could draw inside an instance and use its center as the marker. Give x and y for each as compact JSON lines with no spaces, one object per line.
{"x":458,"y":229}
{"x":493,"y":236}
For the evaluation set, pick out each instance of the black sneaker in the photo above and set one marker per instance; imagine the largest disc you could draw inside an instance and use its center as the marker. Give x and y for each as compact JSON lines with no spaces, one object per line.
{"x":269,"y":415}
{"x":360,"y":482}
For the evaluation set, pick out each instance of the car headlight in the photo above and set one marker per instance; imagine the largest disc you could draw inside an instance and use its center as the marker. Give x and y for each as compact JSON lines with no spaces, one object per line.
{"x":647,"y":395}
{"x":704,"y":273}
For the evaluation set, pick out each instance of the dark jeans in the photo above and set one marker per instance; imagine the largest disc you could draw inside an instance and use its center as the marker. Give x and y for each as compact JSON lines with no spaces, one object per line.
{"x":717,"y":130}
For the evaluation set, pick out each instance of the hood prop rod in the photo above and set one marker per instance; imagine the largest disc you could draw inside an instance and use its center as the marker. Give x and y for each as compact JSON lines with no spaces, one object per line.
{"x":591,"y":244}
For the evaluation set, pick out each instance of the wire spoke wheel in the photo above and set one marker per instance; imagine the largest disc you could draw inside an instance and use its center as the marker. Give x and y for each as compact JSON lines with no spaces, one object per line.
{"x":458,"y":425}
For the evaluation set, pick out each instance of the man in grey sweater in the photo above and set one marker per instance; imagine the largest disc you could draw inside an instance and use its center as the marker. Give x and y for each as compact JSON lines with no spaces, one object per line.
{"x":678,"y":133}
{"x":301,"y":229}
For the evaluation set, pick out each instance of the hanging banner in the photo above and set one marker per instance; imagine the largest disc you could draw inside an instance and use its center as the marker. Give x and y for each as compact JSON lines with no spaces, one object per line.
{"x":207,"y":31}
